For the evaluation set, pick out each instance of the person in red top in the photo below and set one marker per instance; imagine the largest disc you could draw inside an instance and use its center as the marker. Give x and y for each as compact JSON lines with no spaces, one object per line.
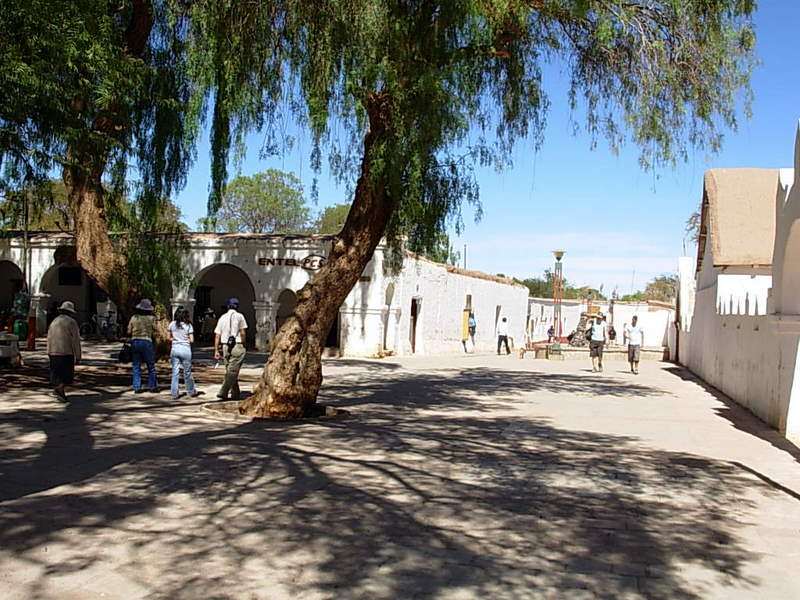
{"x":63,"y":349}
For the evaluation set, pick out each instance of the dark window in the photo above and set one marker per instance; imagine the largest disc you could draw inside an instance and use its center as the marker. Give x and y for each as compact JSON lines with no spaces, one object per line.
{"x":70,"y":276}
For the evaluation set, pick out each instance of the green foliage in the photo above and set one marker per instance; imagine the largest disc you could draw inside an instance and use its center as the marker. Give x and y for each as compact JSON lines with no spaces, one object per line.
{"x":269,"y":202}
{"x":663,"y":288}
{"x":463,"y":82}
{"x":331,"y":220}
{"x":692,"y":228}
{"x":542,"y":287}
{"x":441,"y":250}
{"x":636,"y":297}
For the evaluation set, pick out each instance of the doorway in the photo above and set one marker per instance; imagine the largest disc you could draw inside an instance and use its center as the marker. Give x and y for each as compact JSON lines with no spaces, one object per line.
{"x":413,"y":329}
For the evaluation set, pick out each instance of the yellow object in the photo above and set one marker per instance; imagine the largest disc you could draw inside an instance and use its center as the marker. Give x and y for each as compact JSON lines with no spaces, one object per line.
{"x":465,"y":324}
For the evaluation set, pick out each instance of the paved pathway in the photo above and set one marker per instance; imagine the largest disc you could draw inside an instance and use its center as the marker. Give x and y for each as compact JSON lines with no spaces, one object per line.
{"x":463,"y":477}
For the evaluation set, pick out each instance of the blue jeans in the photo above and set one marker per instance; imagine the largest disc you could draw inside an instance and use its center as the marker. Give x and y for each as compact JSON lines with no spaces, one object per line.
{"x":142,"y":351}
{"x":181,"y":355}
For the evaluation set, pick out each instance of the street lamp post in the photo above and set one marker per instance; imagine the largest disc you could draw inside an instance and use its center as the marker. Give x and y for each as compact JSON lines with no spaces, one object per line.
{"x":558,"y":295}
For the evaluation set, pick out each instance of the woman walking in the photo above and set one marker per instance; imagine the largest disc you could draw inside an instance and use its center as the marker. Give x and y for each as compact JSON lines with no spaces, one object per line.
{"x":140,"y":328}
{"x":181,"y":334}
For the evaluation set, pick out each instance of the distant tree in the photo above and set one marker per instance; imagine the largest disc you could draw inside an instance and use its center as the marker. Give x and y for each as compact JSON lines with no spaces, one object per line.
{"x":331,"y":220}
{"x":693,"y":227}
{"x":49,"y":210}
{"x":439,"y":250}
{"x":662,"y":288}
{"x":269,"y":202}
{"x":635,"y":297}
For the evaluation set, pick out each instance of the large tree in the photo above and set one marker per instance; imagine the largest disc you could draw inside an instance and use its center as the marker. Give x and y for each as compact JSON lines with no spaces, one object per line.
{"x":100,"y":91}
{"x":269,"y":202}
{"x":431,"y":89}
{"x":407,"y":95}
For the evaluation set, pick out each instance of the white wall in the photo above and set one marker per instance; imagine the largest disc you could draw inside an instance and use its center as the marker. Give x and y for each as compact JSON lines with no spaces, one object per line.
{"x":442,"y":296}
{"x":541,"y":317}
{"x":654,"y":321}
{"x":727,"y":340}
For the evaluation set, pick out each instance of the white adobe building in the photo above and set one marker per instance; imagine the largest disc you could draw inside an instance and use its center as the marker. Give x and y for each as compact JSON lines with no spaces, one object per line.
{"x":655,"y":318}
{"x":421,"y":310}
{"x":740,"y":300}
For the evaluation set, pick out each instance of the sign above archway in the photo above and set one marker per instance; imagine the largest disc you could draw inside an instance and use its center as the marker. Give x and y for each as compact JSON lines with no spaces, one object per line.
{"x":312,"y":262}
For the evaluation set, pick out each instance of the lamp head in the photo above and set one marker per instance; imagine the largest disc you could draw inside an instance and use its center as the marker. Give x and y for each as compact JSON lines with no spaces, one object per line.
{"x":559,"y":254}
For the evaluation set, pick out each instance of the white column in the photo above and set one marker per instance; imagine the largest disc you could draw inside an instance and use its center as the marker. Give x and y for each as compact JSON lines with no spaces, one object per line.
{"x":265,"y":324}
{"x":187,"y":303}
{"x":39,"y":304}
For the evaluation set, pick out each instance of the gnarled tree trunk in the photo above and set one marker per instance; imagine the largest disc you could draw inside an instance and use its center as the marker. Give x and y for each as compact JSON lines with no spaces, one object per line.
{"x":293,"y":374}
{"x":96,"y":252}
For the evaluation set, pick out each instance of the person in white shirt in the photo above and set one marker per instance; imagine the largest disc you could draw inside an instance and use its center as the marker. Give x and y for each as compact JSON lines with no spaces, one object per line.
{"x":229,"y":337}
{"x":502,"y":335}
{"x":635,"y":336}
{"x":597,"y":335}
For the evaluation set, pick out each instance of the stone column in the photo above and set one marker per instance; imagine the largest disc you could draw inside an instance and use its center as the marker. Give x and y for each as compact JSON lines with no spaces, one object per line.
{"x":265,"y":324}
{"x":187,"y":303}
{"x":39,"y":305}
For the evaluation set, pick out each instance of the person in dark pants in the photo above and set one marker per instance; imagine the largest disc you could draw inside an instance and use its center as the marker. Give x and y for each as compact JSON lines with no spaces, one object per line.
{"x":63,"y":349}
{"x":141,"y":328}
{"x":229,"y":338}
{"x":597,"y":335}
{"x":502,"y":335}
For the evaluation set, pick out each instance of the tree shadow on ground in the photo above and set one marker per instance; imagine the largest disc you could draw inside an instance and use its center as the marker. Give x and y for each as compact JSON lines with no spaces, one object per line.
{"x":739,"y":416}
{"x":420,"y":494}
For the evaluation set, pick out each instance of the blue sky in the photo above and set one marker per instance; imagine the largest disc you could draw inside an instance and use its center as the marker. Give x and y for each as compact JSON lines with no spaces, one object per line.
{"x":619,"y":225}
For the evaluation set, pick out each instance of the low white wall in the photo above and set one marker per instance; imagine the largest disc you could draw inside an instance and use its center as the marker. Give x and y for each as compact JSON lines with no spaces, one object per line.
{"x":441,"y":295}
{"x":746,"y":358}
{"x":655,"y":322}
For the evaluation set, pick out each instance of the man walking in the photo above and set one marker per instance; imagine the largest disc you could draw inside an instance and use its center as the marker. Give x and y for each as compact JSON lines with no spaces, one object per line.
{"x":502,"y":335}
{"x":598,"y":335}
{"x":63,"y":349}
{"x":635,"y":335}
{"x":229,"y":337}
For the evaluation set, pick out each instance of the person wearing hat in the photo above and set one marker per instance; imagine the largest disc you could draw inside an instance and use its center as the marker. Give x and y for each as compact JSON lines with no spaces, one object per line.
{"x":140,"y":328}
{"x":63,"y":349}
{"x":229,"y":337}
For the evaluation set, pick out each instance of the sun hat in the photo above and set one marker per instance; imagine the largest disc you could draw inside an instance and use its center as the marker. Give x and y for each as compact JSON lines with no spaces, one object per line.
{"x":146,"y":305}
{"x":67,"y":306}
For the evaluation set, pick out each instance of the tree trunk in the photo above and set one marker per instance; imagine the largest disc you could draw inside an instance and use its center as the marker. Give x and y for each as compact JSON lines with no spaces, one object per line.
{"x":292,"y":376}
{"x":96,"y":253}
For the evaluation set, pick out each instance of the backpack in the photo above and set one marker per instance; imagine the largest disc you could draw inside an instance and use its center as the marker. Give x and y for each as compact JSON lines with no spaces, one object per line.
{"x":126,"y":354}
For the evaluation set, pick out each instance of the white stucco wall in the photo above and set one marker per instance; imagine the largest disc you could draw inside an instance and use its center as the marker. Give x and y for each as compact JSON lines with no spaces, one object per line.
{"x":654,"y":321}
{"x":257,"y":269}
{"x":727,"y":339}
{"x":441,"y":296}
{"x":541,"y":317}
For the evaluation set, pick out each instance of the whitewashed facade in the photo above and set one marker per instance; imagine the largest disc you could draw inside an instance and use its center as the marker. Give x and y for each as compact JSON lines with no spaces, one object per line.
{"x":740,"y":322}
{"x":419,"y":310}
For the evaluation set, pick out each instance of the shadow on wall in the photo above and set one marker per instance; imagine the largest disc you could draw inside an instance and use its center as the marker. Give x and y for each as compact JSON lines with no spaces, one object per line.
{"x":739,"y":416}
{"x":418,"y":493}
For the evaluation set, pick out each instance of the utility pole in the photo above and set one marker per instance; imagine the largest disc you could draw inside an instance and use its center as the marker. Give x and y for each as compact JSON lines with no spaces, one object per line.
{"x":465,"y":257}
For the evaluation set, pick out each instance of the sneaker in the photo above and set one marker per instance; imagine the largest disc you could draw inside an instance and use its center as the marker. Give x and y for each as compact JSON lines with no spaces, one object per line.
{"x":139,"y":391}
{"x":196,"y":394}
{"x":154,"y":390}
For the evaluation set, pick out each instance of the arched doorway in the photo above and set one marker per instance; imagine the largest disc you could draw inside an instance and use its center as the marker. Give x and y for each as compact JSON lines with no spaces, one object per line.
{"x":287,"y":300}
{"x":69,"y":281}
{"x":11,"y":281}
{"x":215,"y":285}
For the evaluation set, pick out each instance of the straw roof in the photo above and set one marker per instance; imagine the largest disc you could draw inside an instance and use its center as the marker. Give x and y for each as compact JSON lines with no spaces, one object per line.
{"x":738,"y":217}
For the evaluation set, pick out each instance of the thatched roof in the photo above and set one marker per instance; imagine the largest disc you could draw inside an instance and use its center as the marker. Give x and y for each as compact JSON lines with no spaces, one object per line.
{"x":738,"y":216}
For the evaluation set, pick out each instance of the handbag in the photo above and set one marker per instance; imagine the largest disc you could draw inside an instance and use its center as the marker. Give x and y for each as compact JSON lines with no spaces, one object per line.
{"x":126,"y":354}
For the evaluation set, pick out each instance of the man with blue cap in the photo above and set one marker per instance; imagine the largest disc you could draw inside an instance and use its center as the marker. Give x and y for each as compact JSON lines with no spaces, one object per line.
{"x":229,"y":337}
